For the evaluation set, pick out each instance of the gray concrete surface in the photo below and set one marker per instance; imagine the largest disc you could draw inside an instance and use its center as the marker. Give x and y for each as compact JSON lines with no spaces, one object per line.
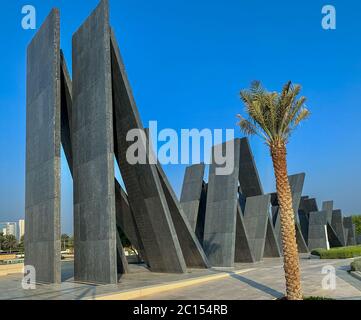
{"x":337,"y":225}
{"x":351,"y":231}
{"x":193,"y":198}
{"x":221,"y":211}
{"x":317,"y":231}
{"x":266,"y":282}
{"x":42,"y":199}
{"x":263,"y":281}
{"x":93,"y":146}
{"x":256,"y":218}
{"x":192,"y":250}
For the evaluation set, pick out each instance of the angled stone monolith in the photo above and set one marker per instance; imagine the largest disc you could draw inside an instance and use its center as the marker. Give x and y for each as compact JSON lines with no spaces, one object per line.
{"x":193,"y":253}
{"x":328,"y":206}
{"x":126,"y":222}
{"x":256,"y":219}
{"x":145,"y":194}
{"x":43,"y":126}
{"x":243,"y":250}
{"x":317,"y":230}
{"x":337,"y":225}
{"x":351,"y":231}
{"x":95,"y":236}
{"x":193,"y":198}
{"x":250,"y":186}
{"x":221,"y":212}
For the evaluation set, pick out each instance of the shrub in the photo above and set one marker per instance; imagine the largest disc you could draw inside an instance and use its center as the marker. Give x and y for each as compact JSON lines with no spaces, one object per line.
{"x":338,"y":253}
{"x":356,"y":265}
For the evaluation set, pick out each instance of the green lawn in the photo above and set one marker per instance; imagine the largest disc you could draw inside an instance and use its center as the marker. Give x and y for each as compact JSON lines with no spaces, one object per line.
{"x":338,"y":253}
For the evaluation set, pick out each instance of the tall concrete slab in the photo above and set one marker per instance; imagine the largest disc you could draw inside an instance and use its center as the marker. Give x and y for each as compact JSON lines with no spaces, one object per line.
{"x":250,"y":183}
{"x":317,"y":230}
{"x":93,"y":152}
{"x":42,"y":200}
{"x":243,"y":250}
{"x":250,"y":186}
{"x":145,"y":193}
{"x":66,"y":140}
{"x":351,"y":231}
{"x":272,"y":248}
{"x":221,"y":211}
{"x":193,"y":197}
{"x":333,"y":239}
{"x":308,"y":205}
{"x":66,"y":112}
{"x":256,"y":218}
{"x":328,"y":206}
{"x":303,"y":218}
{"x":193,"y":253}
{"x":337,"y":225}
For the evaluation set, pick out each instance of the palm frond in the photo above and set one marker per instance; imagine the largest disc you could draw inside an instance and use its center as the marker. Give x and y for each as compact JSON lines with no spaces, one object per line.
{"x":272,"y":115}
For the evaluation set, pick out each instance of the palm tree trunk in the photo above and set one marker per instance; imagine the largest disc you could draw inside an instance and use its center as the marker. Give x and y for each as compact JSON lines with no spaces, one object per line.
{"x":288,"y":231}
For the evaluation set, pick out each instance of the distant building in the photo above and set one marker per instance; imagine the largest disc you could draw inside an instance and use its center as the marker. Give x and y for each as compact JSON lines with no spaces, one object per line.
{"x":9,"y":228}
{"x":21,"y":228}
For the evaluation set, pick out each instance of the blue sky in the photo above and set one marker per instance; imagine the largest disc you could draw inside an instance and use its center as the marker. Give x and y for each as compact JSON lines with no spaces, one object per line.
{"x":187,"y":61}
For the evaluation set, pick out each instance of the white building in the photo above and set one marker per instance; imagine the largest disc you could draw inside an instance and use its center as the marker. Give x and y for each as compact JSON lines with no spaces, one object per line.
{"x":21,"y":228}
{"x":9,"y":228}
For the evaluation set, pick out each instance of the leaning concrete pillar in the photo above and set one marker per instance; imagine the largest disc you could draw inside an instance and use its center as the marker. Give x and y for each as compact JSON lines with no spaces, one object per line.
{"x":337,"y":225}
{"x":317,"y":230}
{"x":351,"y":231}
{"x":42,"y":213}
{"x":145,"y":194}
{"x":221,"y":212}
{"x":250,"y":186}
{"x":93,"y":151}
{"x":193,"y":198}
{"x":256,"y":219}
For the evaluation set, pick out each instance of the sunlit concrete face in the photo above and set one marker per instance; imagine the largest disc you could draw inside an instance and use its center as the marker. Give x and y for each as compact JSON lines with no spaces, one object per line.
{"x":317,"y":232}
{"x":42,"y":213}
{"x":221,"y":213}
{"x":193,"y":198}
{"x":92,"y":129}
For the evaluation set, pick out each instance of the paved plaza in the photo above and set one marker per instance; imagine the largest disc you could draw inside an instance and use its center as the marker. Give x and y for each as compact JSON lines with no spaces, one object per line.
{"x":259,"y":281}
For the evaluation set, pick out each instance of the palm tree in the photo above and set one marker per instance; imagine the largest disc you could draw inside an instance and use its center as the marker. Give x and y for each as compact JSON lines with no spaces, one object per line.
{"x":273,"y":116}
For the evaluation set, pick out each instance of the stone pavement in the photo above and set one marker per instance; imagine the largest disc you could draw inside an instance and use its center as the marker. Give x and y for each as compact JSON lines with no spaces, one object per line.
{"x":266,"y":282}
{"x":262,"y":280}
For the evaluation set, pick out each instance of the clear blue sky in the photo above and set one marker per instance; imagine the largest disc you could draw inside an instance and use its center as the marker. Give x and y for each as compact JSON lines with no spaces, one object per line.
{"x":187,"y":61}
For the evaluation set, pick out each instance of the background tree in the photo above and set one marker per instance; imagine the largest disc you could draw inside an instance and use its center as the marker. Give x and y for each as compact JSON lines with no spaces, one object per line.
{"x":2,"y":238}
{"x":64,"y":241}
{"x":21,"y":244}
{"x":273,"y":116}
{"x":9,"y":243}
